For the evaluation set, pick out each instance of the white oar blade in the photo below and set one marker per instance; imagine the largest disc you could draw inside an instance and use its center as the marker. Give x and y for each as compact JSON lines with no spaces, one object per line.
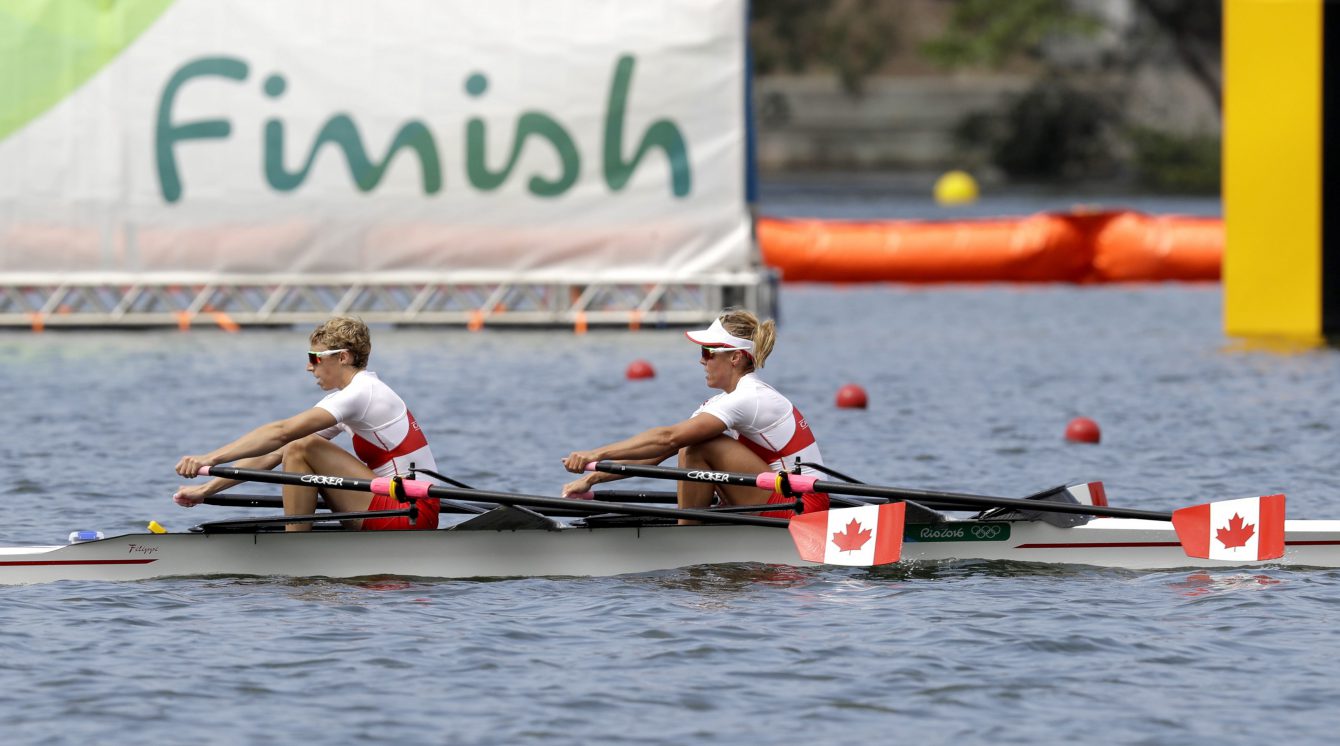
{"x":1249,"y":529}
{"x":857,"y":537}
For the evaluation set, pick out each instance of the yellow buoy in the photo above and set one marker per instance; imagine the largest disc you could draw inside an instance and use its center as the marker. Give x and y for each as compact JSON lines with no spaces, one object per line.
{"x":955,"y":188}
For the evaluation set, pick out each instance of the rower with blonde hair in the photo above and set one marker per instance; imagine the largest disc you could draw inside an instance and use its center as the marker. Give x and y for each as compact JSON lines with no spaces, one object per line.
{"x":387,"y":440}
{"x":748,"y":427}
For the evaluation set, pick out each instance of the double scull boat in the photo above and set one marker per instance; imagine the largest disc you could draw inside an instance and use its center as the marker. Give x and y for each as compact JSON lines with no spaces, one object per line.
{"x":512,"y":541}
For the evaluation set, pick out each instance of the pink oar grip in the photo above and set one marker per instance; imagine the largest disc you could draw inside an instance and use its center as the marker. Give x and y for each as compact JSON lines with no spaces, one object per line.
{"x":411,"y":487}
{"x":590,"y":467}
{"x":802,"y":482}
{"x":204,"y":471}
{"x":799,"y":482}
{"x":581,"y":496}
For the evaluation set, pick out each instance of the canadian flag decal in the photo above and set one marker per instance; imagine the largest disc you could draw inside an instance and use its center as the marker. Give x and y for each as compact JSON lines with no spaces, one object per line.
{"x":860,"y":537}
{"x":1248,"y":529}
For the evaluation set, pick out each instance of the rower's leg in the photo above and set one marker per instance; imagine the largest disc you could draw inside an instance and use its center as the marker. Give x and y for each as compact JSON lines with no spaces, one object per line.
{"x":316,"y":455}
{"x":693,"y":494}
{"x":722,"y":453}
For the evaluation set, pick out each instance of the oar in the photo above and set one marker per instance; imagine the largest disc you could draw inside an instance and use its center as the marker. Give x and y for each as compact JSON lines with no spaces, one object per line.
{"x":228,"y":500}
{"x":1235,"y":524}
{"x":626,"y":496}
{"x":869,"y":535}
{"x":252,"y":501}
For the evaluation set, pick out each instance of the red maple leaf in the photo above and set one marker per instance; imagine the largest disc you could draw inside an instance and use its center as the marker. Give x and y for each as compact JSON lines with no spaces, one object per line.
{"x":1236,"y":534}
{"x":853,"y":538}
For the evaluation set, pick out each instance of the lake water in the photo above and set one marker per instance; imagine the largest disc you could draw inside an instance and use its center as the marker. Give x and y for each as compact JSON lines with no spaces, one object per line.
{"x":970,"y":388}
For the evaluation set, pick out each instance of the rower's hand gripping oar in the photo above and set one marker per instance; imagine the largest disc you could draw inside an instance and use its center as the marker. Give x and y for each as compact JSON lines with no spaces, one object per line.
{"x":874,"y":536}
{"x":1245,"y":529}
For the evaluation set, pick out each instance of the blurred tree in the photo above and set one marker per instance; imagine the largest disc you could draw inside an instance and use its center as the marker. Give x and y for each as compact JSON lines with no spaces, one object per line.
{"x":1196,"y":30}
{"x":1071,"y":123}
{"x":850,"y":38}
{"x":989,"y":33}
{"x":1051,"y":131}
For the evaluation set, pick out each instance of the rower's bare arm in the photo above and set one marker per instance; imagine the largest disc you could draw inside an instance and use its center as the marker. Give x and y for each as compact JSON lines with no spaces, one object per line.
{"x":592,"y":478}
{"x":219,"y":484}
{"x":264,"y":441}
{"x":656,"y":444}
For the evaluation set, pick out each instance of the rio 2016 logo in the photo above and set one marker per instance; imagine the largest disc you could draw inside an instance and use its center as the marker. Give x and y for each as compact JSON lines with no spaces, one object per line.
{"x":342,"y":131}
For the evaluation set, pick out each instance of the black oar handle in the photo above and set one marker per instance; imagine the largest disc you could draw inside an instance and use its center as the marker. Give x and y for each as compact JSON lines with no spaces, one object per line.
{"x":414,"y":488}
{"x":807,"y":483}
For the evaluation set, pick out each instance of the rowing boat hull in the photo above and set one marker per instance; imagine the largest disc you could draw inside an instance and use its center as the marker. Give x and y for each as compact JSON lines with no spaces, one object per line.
{"x":1104,"y":542}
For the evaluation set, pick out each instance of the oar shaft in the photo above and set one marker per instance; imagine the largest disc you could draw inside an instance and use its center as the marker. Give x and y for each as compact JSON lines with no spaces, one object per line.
{"x":502,"y":498}
{"x":275,"y":501}
{"x":984,"y":501}
{"x":228,"y":500}
{"x":352,"y":484}
{"x":252,"y":501}
{"x":808,"y":484}
{"x":669,"y":472}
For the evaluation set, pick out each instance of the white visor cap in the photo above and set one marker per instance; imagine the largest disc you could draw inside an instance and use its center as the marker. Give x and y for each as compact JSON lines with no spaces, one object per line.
{"x":717,"y":336}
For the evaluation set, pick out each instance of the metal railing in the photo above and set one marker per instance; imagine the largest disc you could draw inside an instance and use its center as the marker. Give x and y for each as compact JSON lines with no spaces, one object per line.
{"x":43,"y":302}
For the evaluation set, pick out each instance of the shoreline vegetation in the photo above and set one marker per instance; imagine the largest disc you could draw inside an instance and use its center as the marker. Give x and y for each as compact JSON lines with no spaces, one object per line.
{"x":1126,"y":93}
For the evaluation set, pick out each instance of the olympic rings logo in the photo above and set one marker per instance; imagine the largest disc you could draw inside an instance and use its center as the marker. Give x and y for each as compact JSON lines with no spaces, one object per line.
{"x":986,"y":532}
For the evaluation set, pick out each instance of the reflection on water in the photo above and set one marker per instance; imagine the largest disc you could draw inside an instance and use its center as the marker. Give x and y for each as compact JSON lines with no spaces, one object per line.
{"x":1204,"y":583}
{"x":979,"y":568}
{"x":728,"y":579}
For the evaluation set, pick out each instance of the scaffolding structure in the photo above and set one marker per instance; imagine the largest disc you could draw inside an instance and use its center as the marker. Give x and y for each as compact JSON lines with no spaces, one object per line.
{"x":40,"y":302}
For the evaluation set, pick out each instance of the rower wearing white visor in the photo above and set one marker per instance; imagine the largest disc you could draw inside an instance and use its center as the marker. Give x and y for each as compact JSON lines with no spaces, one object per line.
{"x":748,"y":427}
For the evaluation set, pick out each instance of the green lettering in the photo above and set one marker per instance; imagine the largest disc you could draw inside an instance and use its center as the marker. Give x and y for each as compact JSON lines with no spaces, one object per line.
{"x":530,"y":123}
{"x":661,"y":134}
{"x":167,"y":134}
{"x":342,"y":132}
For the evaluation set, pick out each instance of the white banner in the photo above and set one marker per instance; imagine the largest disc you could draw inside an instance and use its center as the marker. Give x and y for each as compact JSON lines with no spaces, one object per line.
{"x":602,"y":139}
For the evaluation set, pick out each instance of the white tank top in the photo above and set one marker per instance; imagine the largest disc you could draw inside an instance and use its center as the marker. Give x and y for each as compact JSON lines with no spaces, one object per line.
{"x":386,"y":436}
{"x":765,"y":422}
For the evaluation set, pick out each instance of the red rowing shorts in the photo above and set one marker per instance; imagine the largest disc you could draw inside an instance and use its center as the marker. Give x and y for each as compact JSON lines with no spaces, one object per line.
{"x":814,"y":502}
{"x":427,"y":515}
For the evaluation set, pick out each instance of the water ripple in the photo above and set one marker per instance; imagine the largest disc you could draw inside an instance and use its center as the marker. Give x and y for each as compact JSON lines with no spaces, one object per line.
{"x":973,"y":397}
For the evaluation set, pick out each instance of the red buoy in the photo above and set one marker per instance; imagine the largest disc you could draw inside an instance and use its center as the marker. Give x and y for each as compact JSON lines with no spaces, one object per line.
{"x":851,"y":396}
{"x":640,"y":369}
{"x":1082,"y":430}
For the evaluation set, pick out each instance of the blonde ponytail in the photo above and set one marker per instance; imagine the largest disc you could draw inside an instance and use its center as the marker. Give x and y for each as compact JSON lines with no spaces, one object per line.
{"x":746,"y":325}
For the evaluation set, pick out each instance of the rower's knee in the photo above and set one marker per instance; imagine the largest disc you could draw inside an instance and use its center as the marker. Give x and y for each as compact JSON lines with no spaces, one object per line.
{"x":690,"y":456}
{"x":295,"y":453}
{"x":711,"y":453}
